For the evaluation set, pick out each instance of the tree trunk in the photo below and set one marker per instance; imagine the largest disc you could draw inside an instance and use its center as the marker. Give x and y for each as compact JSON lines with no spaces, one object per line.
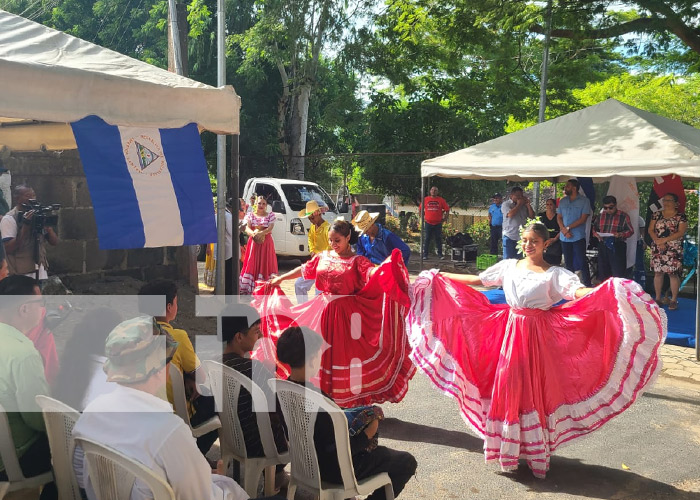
{"x":298,"y":124}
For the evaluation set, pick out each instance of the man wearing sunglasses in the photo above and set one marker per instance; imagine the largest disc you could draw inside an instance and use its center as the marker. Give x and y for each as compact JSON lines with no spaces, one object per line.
{"x":612,"y":228}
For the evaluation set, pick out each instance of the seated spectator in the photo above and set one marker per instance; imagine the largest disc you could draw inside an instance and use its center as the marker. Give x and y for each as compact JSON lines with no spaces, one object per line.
{"x":22,"y":377}
{"x":133,"y":420}
{"x":240,"y":333}
{"x":82,"y":377}
{"x":301,"y":350}
{"x":200,"y":408}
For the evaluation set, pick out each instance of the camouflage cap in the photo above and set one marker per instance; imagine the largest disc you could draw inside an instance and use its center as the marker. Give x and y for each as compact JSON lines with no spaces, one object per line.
{"x":136,"y":349}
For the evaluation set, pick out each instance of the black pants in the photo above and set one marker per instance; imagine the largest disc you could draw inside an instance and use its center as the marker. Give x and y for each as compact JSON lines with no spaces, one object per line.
{"x":204,"y":409}
{"x":400,"y":465}
{"x":37,"y":460}
{"x":612,"y":261}
{"x":495,"y":237}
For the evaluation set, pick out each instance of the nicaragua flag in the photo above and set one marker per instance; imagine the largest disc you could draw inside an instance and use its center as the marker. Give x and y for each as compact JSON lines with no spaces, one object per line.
{"x":149,"y":187}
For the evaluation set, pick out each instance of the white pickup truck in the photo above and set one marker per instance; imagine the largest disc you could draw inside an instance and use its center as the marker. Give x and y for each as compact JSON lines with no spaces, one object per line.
{"x":286,"y":197}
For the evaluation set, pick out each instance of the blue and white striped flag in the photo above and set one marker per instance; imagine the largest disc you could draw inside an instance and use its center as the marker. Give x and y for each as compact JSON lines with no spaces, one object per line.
{"x":149,"y":187}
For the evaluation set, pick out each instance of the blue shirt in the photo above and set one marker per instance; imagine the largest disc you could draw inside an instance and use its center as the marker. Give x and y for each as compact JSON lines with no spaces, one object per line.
{"x":378,"y":250}
{"x":570,"y":212}
{"x":496,"y":215}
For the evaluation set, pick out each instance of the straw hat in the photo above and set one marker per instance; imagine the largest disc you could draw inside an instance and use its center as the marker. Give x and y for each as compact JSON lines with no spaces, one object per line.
{"x":364,"y":220}
{"x":311,"y":207}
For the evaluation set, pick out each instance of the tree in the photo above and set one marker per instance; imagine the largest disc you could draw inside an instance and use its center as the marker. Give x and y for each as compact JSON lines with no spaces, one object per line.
{"x":655,"y":24}
{"x":292,"y":35}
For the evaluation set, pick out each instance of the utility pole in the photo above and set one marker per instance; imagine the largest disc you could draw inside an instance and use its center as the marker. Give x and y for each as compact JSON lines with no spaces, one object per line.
{"x":543,"y":86}
{"x":221,"y":157}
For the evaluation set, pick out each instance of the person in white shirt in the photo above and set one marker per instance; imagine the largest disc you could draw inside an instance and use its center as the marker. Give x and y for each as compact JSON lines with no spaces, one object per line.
{"x":136,"y":420}
{"x":16,"y":229}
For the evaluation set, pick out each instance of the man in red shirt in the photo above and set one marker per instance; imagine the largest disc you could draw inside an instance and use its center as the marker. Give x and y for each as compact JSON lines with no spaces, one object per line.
{"x":436,"y":210}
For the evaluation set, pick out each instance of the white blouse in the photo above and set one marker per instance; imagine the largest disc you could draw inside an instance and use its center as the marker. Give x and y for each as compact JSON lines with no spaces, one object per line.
{"x":530,"y":289}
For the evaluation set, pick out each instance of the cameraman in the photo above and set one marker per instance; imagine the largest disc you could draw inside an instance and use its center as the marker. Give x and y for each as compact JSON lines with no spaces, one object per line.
{"x":16,"y":230}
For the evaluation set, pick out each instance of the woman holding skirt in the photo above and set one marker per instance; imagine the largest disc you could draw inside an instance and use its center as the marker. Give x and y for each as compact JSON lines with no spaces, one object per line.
{"x":360,"y":312}
{"x":530,"y":375}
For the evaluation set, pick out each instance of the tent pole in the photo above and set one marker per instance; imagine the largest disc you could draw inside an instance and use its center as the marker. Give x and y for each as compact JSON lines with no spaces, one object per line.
{"x":543,"y":91}
{"x":421,"y":209}
{"x":697,"y":287}
{"x":221,"y":157}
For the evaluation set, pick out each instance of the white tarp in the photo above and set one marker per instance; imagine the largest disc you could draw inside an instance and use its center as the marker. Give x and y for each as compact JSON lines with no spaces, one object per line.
{"x":49,"y":76}
{"x":610,"y":138}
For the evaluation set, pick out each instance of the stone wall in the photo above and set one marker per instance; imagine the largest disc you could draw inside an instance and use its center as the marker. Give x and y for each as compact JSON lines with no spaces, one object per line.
{"x":58,"y":177}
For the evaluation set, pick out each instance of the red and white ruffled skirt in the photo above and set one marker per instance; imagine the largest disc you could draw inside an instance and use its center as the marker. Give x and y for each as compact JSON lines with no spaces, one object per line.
{"x":529,"y":380}
{"x":259,"y":264}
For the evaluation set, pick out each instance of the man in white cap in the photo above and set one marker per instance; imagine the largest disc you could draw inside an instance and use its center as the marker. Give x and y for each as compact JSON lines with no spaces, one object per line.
{"x":318,"y":242}
{"x":136,"y":420}
{"x":376,"y":242}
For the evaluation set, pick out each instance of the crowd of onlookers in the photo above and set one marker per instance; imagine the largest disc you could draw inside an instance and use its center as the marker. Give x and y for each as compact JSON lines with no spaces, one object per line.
{"x":568,"y":219}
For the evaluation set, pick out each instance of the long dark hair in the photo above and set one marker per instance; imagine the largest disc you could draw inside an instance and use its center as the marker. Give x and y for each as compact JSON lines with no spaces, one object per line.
{"x":345,"y":228}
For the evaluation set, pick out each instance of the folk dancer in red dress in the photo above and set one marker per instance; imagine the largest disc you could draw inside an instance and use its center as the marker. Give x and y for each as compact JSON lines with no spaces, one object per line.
{"x":360,"y":313}
{"x":530,"y":376}
{"x":260,"y":261}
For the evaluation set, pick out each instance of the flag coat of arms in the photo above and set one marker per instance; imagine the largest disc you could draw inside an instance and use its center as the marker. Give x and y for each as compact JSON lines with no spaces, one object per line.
{"x":149,"y":187}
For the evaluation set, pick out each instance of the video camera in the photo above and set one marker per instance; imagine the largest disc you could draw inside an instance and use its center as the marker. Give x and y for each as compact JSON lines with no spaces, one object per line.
{"x":44,"y":215}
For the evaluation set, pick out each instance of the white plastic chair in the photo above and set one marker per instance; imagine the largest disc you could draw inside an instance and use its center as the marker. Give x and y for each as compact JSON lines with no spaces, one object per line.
{"x":15,"y":478}
{"x":113,"y":474}
{"x":180,"y":404}
{"x":60,"y":419}
{"x":226,"y":384}
{"x":300,"y":407}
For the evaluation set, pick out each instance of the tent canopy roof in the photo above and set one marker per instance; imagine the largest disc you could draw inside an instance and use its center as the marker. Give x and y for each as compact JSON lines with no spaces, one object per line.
{"x":49,"y":76}
{"x":610,"y":138}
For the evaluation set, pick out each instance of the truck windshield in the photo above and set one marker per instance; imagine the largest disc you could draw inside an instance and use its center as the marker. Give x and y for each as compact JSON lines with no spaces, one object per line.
{"x":298,"y":194}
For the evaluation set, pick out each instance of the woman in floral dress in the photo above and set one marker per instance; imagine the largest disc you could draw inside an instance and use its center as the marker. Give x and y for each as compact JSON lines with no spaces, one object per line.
{"x":260,"y":261}
{"x":667,"y":228}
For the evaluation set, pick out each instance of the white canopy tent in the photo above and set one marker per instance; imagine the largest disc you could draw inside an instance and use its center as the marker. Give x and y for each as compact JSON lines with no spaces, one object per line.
{"x":49,"y":79}
{"x":49,"y":76}
{"x":610,"y":138}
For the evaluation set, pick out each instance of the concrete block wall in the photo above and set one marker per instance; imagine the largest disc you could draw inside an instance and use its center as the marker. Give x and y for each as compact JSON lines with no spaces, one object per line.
{"x":58,"y":177}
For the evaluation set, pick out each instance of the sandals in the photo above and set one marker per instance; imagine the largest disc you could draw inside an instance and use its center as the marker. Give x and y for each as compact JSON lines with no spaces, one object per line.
{"x":673,"y":305}
{"x":663,"y":302}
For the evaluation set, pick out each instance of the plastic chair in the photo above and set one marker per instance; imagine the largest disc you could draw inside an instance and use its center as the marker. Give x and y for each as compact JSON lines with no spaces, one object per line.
{"x":300,"y":407}
{"x":226,"y":383}
{"x":15,"y":477}
{"x":60,"y":420}
{"x":180,"y":404}
{"x":113,"y":474}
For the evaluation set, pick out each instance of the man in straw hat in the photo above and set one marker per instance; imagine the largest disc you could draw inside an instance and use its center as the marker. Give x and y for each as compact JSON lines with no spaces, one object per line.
{"x":318,"y":242}
{"x":136,"y":420}
{"x":376,"y":242}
